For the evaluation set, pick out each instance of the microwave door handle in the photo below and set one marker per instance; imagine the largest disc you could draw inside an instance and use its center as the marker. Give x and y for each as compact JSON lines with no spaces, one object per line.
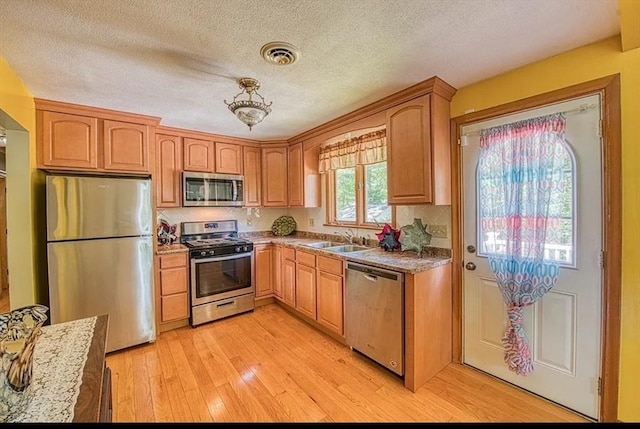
{"x":235,"y":191}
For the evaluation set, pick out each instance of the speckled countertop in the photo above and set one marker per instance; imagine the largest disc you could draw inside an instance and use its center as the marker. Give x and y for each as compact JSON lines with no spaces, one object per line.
{"x":171,"y":248}
{"x":406,"y":262}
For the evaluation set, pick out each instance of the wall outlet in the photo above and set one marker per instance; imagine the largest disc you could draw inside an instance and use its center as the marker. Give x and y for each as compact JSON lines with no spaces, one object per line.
{"x":249,"y":221}
{"x":438,"y":231}
{"x":312,"y":221}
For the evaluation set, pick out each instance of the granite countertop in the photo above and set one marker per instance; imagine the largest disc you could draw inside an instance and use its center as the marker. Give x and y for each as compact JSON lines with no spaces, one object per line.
{"x":171,"y":248}
{"x":406,"y":262}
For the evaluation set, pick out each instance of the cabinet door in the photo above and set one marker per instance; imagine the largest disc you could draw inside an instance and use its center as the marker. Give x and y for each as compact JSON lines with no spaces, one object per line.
{"x":175,"y":307}
{"x":277,"y":272}
{"x":252,"y":177}
{"x":126,"y":146}
{"x":198,"y":155}
{"x":168,"y":169}
{"x":274,"y":177}
{"x":264,"y":266}
{"x":289,"y":282}
{"x":330,"y":301}
{"x":228,"y":158}
{"x":409,"y":141}
{"x":68,"y":141}
{"x":296,"y":176}
{"x":306,"y":291}
{"x":174,"y":280}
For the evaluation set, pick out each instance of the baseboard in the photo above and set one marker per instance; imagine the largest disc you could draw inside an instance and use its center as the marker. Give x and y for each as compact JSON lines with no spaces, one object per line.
{"x":265,"y":300}
{"x":168,"y":326}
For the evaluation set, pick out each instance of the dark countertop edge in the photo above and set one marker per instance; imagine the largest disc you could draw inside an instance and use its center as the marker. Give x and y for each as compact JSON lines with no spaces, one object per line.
{"x":294,"y":242}
{"x":87,"y":408}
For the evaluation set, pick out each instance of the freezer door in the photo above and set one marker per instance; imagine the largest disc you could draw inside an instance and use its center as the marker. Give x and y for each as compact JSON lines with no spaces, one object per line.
{"x":105,"y":276}
{"x":94,"y":207}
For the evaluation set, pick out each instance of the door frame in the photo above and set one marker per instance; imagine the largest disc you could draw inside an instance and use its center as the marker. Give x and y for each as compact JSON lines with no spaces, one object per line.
{"x":609,"y":88}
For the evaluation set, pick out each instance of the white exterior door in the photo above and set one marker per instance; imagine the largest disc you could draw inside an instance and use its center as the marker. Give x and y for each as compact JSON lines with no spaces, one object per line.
{"x":564,"y":328}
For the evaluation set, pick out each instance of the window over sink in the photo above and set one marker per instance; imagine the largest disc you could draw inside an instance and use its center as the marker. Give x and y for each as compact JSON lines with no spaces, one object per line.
{"x":356,"y":181}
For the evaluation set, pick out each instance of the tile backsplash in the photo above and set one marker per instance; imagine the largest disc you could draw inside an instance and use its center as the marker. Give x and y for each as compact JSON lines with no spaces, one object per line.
{"x":261,"y":219}
{"x":249,"y":219}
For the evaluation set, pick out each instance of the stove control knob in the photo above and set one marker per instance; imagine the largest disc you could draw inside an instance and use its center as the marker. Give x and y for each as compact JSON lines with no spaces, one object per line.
{"x":212,"y":252}
{"x":203,"y":253}
{"x":238,"y":249}
{"x":245,"y":248}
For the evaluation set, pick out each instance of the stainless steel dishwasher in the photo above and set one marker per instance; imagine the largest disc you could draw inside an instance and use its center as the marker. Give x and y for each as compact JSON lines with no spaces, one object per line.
{"x":374,"y":323}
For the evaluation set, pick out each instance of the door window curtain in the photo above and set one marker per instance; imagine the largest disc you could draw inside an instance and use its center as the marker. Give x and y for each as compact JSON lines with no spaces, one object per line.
{"x":520,"y":177}
{"x":368,"y":148}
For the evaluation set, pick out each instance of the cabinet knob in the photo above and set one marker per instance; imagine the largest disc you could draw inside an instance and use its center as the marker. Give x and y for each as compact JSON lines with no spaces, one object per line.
{"x":470,"y":266}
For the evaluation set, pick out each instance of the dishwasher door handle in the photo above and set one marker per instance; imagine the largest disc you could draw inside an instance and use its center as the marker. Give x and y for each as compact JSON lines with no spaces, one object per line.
{"x":370,"y":277}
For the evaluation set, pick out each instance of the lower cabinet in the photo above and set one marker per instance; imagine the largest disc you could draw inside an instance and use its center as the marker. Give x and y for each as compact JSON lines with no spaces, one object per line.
{"x":173,"y":280}
{"x":311,"y":284}
{"x":263,"y":269}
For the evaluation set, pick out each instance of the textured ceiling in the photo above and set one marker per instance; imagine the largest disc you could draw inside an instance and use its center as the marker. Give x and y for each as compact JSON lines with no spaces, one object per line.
{"x":179,"y":59}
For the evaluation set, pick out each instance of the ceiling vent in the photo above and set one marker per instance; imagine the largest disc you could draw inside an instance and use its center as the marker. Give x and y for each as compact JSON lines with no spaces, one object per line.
{"x":280,"y":53}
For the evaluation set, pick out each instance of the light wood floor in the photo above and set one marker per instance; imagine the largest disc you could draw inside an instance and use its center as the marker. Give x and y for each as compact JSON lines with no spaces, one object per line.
{"x":269,"y":366}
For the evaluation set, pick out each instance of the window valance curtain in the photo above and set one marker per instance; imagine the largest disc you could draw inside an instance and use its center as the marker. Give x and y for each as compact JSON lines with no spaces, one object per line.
{"x":366,"y":149}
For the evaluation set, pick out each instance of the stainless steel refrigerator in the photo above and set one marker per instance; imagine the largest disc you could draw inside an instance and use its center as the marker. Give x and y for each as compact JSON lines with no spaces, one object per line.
{"x":100,"y":254}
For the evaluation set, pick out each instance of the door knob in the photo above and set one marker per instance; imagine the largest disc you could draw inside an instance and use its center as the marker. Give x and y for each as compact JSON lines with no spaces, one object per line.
{"x":470,"y":266}
{"x":471,"y":249}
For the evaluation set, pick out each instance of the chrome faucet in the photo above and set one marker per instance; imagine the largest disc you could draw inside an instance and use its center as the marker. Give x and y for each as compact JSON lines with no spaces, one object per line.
{"x":349,"y":236}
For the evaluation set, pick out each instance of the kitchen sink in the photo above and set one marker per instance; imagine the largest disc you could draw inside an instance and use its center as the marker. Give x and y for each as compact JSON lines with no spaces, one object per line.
{"x":321,"y":244}
{"x":347,"y":248}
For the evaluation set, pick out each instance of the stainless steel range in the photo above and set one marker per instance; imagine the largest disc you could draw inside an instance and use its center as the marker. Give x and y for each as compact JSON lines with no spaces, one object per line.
{"x":222,"y":277}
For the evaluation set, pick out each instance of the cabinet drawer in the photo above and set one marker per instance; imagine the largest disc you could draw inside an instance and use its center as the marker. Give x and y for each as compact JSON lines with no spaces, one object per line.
{"x":330,"y":265}
{"x":289,"y":253}
{"x":174,"y":260}
{"x":173,"y":281}
{"x":175,"y":307}
{"x":305,"y":258}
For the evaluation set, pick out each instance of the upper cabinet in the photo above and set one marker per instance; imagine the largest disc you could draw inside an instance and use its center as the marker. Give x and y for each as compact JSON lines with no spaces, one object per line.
{"x":199,"y":155}
{"x":168,"y":170}
{"x":72,"y":137}
{"x":418,"y":132}
{"x":126,"y":146}
{"x":68,"y":140}
{"x":303,"y":176}
{"x":274,"y":177}
{"x":228,"y":158}
{"x":252,"y":176}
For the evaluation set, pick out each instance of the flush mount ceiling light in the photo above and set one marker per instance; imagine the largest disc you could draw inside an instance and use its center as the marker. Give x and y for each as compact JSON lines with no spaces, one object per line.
{"x":249,"y":111}
{"x":280,"y":53}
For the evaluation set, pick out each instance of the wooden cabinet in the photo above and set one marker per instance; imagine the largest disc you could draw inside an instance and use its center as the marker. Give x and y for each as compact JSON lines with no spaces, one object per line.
{"x":264,"y":270}
{"x":173,"y":279}
{"x":198,"y":155}
{"x":330,"y":294}
{"x":126,"y":146}
{"x":228,"y":158}
{"x":303,"y":178}
{"x":168,"y":170}
{"x":252,"y":176}
{"x":296,"y":175}
{"x":68,"y":141}
{"x":277,"y":273}
{"x":81,"y":138}
{"x":306,"y":290}
{"x":289,"y":282}
{"x":274,"y":177}
{"x":419,"y":131}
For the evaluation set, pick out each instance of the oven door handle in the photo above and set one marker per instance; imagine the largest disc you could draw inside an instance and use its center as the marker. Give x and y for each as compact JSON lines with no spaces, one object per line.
{"x":223,"y":258}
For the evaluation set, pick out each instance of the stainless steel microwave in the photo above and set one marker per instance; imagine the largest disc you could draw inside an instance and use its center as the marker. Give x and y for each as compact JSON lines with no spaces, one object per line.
{"x":216,"y":190}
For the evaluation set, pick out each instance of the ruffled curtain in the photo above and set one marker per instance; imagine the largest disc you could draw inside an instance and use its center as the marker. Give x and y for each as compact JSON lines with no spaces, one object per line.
{"x":368,"y":148}
{"x":520,"y":176}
